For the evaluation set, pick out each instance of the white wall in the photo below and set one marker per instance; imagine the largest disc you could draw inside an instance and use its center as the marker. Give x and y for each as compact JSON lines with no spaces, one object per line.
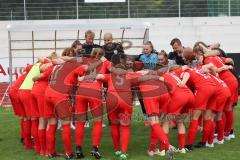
{"x":225,"y":30}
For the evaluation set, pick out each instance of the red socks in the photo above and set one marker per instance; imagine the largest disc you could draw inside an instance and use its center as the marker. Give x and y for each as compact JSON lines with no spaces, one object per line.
{"x":67,"y":138}
{"x":193,"y":129}
{"x":42,"y":140}
{"x":153,"y":140}
{"x":207,"y":124}
{"x":211,"y":134}
{"x":224,"y":119}
{"x":220,"y":129}
{"x":125,"y":137}
{"x":158,"y":131}
{"x":79,"y":132}
{"x":22,"y":132}
{"x":27,"y":134}
{"x":34,"y":132}
{"x":96,"y":133}
{"x":200,"y":121}
{"x":115,"y":131}
{"x":229,"y":122}
{"x":51,"y":138}
{"x":162,"y":144}
{"x":181,"y":140}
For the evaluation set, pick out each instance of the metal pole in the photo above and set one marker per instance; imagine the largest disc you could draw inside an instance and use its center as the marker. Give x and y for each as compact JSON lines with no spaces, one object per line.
{"x":137,"y":12}
{"x":129,"y":16}
{"x":10,"y":57}
{"x":57,"y":17}
{"x":77,"y":8}
{"x":11,"y":15}
{"x":41,"y":13}
{"x":105,"y":13}
{"x":229,"y":8}
{"x":33,"y":52}
{"x":55,"y":41}
{"x":179,"y":8}
{"x":25,"y":12}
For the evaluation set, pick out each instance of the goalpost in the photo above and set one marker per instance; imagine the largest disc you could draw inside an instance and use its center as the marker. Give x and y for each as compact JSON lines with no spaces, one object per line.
{"x":28,"y":41}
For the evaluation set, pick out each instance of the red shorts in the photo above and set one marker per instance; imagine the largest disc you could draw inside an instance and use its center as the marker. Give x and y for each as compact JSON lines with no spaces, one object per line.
{"x":91,"y":98}
{"x":25,"y":98}
{"x":182,"y":100}
{"x":233,"y":87}
{"x":17,"y":105}
{"x":38,"y":100}
{"x":56,"y":104}
{"x":205,"y":98}
{"x":156,"y":105}
{"x":119,"y":109}
{"x":223,"y":99}
{"x":94,"y":104}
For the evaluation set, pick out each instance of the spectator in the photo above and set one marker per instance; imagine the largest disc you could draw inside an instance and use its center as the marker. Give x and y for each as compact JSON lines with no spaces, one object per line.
{"x":89,"y":45}
{"x":149,"y":57}
{"x":189,"y":57}
{"x":176,"y":55}
{"x":76,"y":48}
{"x":68,"y":52}
{"x":111,"y":47}
{"x":163,"y":59}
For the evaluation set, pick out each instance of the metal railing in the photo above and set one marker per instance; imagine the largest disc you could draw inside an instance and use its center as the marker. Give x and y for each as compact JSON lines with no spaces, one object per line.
{"x":78,"y":9}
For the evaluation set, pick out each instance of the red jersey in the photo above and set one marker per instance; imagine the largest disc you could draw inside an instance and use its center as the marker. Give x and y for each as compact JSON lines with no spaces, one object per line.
{"x":196,"y":79}
{"x":219,"y":62}
{"x":154,"y":88}
{"x":19,"y":81}
{"x":219,"y":81}
{"x":173,"y":79}
{"x":121,"y":83}
{"x":40,"y":86}
{"x":100,"y":69}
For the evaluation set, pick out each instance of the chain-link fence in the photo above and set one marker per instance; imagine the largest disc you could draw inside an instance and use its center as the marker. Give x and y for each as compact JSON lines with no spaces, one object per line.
{"x":78,"y":9}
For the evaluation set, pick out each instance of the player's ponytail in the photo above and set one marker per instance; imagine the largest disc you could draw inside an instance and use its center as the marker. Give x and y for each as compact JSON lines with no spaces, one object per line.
{"x":53,"y":55}
{"x":97,"y":52}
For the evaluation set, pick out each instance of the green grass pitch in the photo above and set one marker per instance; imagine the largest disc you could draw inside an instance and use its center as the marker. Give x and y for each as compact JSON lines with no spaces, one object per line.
{"x":11,"y":149}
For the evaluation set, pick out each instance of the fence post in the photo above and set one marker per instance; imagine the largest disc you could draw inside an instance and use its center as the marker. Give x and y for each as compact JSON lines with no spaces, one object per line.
{"x":105,"y":12}
{"x":77,"y":8}
{"x":137,"y":12}
{"x":57,"y":16}
{"x":229,"y":8}
{"x":179,"y":8}
{"x":129,"y":12}
{"x":25,"y":11}
{"x":11,"y":15}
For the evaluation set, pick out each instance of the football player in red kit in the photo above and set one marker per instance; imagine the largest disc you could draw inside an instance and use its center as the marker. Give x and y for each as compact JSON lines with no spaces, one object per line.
{"x":31,"y":122}
{"x":178,"y":107}
{"x":203,"y":101}
{"x":56,"y":98}
{"x":56,"y":102}
{"x":156,"y":98}
{"x":85,"y":98}
{"x":14,"y":97}
{"x":38,"y":91}
{"x":227,"y":76}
